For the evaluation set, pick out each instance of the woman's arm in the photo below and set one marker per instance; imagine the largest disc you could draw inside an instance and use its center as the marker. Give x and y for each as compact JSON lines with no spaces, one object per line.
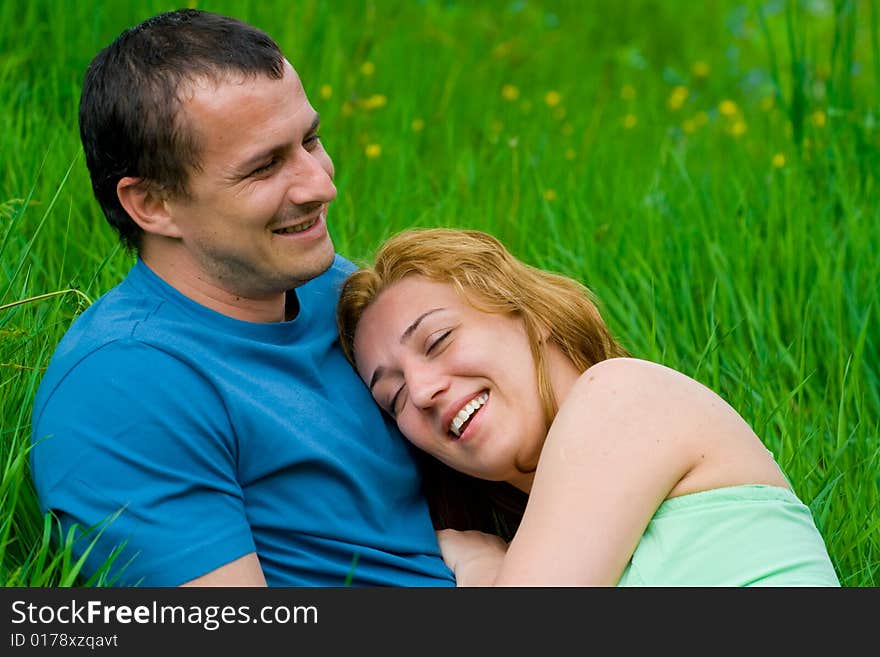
{"x":473,"y":556}
{"x":622,"y":440}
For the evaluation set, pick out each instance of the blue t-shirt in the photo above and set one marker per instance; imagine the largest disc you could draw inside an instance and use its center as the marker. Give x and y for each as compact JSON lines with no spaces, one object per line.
{"x":194,"y":438}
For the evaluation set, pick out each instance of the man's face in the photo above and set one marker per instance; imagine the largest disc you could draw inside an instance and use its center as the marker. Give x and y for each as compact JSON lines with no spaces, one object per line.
{"x":255,"y":222}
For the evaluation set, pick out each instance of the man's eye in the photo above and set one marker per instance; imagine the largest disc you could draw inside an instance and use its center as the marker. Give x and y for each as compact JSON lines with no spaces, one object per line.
{"x":266,"y":167}
{"x":312,"y":141}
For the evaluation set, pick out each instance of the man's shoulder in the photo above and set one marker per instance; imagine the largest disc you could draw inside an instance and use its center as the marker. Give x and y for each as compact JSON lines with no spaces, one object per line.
{"x":343,"y":265}
{"x":339,"y":270}
{"x":113,"y":316}
{"x":330,"y":282}
{"x":105,"y":330}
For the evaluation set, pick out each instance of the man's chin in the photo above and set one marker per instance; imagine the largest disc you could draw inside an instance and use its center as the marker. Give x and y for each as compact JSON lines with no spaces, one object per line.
{"x":318,"y":265}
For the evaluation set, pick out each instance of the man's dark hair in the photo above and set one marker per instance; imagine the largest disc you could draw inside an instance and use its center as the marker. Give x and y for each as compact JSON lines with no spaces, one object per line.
{"x":129,"y":117}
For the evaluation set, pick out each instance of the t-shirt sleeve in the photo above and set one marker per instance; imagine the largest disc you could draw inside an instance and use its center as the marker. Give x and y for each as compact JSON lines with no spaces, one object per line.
{"x":135,"y":448}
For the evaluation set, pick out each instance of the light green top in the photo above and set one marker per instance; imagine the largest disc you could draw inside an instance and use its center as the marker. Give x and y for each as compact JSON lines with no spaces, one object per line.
{"x":753,"y":535}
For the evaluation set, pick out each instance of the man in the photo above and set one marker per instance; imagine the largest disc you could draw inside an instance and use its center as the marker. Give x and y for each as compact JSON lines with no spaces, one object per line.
{"x":200,"y":417}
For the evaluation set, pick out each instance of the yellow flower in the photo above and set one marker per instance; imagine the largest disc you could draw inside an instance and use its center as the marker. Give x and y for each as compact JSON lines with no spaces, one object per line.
{"x":501,"y":50}
{"x":819,"y":119}
{"x":347,"y":109}
{"x":418,"y":125}
{"x":326,"y":91}
{"x":739,"y":128}
{"x":627,"y":92}
{"x":549,"y":194}
{"x":677,"y":97}
{"x":630,"y":121}
{"x":779,"y":160}
{"x":373,"y":151}
{"x":728,"y":108}
{"x":552,"y":98}
{"x":570,"y":154}
{"x":510,"y":92}
{"x":368,"y":68}
{"x":374,"y":102}
{"x":192,"y":4}
{"x":700,"y":69}
{"x":689,"y":126}
{"x":768,"y":103}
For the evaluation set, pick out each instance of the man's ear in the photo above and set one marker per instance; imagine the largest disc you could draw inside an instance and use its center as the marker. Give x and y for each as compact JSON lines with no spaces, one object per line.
{"x":146,"y":206}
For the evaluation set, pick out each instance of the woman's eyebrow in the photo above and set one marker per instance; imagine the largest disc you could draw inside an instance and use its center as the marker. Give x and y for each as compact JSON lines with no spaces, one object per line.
{"x":412,"y":327}
{"x":380,"y":371}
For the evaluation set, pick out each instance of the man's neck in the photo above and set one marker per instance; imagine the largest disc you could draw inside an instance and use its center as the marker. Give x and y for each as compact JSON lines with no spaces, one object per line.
{"x":193,"y":283}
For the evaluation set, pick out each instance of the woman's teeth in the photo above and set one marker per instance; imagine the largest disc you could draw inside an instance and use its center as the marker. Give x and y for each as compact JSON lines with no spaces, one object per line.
{"x":465,"y":414}
{"x":297,"y":229}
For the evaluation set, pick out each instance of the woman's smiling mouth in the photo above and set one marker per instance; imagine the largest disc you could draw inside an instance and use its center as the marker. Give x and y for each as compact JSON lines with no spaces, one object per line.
{"x":464,"y":415}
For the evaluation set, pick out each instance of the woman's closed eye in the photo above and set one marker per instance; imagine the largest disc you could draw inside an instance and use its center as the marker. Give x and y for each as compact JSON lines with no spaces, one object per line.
{"x":435,"y":342}
{"x":396,"y":402}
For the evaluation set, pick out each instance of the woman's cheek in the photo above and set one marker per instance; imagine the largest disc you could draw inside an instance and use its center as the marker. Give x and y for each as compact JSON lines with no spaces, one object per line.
{"x":414,"y":432}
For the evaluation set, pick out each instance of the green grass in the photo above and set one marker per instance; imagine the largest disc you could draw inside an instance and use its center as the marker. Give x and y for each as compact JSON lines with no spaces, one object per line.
{"x":731,"y":232}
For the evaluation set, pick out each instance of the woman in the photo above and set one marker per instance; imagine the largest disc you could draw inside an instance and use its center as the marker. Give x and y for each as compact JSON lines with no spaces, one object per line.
{"x":634,"y":473}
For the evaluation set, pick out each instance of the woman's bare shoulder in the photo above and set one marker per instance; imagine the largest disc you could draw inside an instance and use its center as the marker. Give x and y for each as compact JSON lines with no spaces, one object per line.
{"x":659,"y":396}
{"x":628,"y":366}
{"x":664,"y":407}
{"x":621,"y":393}
{"x":634,"y":376}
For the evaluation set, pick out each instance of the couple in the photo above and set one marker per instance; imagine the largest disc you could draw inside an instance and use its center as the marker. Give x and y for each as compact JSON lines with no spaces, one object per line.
{"x":202,"y":425}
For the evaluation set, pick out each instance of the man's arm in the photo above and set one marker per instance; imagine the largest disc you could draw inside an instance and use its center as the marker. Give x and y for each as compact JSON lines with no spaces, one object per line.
{"x":245,"y":571}
{"x":136,"y":436}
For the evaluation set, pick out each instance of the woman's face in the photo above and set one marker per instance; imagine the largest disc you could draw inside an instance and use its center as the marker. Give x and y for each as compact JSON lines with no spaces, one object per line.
{"x":460,"y":382}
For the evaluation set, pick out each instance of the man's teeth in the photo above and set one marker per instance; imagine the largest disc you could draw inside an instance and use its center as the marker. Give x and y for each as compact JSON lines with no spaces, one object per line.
{"x":297,"y":229}
{"x":465,"y":414}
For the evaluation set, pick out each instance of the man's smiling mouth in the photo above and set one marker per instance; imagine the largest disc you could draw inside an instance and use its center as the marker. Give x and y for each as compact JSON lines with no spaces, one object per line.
{"x":298,"y":228}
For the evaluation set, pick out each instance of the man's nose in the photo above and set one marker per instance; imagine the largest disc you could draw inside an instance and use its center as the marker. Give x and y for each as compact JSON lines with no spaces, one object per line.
{"x":311,"y":179}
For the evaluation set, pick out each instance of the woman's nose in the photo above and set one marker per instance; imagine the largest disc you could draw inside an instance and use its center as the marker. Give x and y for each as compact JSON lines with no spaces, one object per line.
{"x":426,"y":385}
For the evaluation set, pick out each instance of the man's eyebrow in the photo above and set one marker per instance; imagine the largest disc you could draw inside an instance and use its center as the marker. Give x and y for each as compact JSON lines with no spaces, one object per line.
{"x":246,"y":166}
{"x":380,"y":371}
